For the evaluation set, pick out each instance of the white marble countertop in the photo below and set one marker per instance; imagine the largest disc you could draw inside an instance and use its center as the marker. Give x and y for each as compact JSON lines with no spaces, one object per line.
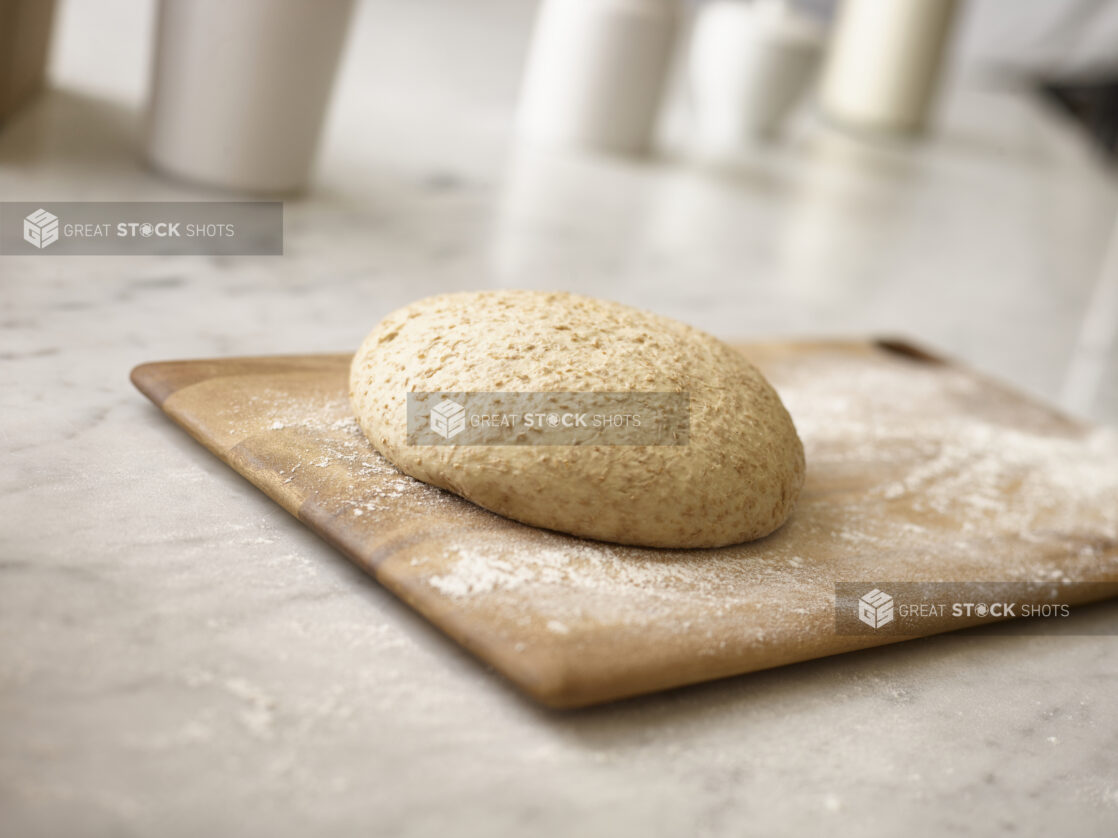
{"x":182,"y":657}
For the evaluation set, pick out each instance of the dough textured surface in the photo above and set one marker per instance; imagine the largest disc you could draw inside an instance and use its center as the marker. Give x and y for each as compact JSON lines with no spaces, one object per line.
{"x":736,"y":479}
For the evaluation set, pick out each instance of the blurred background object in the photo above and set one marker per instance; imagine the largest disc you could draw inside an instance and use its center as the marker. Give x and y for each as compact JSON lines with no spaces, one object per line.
{"x":596,"y":71}
{"x":749,"y":65}
{"x":25,"y":28}
{"x":1065,"y":39}
{"x":423,"y":186}
{"x":240,"y":89}
{"x":1094,"y":104}
{"x":884,"y":62}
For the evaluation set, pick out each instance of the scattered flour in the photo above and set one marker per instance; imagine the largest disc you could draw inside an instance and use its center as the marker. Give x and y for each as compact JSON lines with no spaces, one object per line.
{"x":897,"y":484}
{"x":337,"y":442}
{"x":917,"y":472}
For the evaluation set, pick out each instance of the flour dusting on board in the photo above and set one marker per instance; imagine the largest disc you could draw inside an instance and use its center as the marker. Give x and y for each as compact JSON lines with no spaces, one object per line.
{"x":930,"y":489}
{"x":335,"y":442}
{"x":917,"y":471}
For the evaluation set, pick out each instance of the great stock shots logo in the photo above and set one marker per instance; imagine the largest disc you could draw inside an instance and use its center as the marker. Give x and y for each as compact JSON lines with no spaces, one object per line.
{"x":548,"y":418}
{"x":448,"y":419}
{"x":40,"y":228}
{"x":916,"y":609}
{"x":875,"y":609}
{"x":133,"y":228}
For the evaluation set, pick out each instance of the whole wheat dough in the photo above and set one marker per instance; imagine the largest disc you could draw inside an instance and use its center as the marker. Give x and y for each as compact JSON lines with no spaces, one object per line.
{"x":737,"y":479}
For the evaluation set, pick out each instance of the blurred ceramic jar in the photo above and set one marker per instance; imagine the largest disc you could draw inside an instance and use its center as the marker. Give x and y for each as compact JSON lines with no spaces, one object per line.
{"x":596,"y":73}
{"x":749,"y":63}
{"x":884,"y":63}
{"x":240,"y":89}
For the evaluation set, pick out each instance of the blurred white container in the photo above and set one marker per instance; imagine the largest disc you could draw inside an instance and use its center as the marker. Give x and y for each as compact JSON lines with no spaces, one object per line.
{"x":596,"y":73}
{"x":884,"y":62}
{"x":748,"y":64}
{"x":241,"y":88}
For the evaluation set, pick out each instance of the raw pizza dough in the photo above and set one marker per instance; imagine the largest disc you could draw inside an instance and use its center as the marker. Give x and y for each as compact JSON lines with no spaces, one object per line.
{"x":736,"y":479}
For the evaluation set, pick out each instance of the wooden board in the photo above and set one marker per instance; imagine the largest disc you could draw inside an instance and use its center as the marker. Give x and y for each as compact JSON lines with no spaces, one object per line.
{"x":918,"y":470}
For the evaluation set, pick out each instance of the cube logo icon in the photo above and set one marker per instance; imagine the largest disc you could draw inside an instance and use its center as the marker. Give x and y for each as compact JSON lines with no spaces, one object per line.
{"x":875,"y":609}
{"x":40,"y":228}
{"x":448,"y":419}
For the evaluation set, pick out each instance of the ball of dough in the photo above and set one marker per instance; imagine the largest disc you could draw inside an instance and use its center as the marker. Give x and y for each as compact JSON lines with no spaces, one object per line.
{"x":736,"y":479}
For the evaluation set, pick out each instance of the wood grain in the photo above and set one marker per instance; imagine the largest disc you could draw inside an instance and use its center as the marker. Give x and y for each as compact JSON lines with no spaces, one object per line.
{"x":574,"y":622}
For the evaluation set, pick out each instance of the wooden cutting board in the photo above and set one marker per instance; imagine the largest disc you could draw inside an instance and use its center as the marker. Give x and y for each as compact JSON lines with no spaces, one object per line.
{"x":918,"y":471}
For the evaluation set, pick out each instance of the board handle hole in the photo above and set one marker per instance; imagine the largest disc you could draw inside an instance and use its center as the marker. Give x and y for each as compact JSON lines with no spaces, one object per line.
{"x":899,"y":346}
